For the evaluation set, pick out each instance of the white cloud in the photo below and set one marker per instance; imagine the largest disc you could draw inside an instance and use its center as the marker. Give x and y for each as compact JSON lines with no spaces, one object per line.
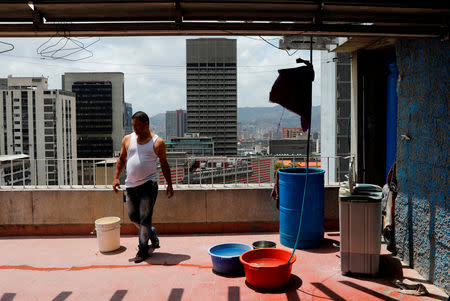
{"x":154,"y":68}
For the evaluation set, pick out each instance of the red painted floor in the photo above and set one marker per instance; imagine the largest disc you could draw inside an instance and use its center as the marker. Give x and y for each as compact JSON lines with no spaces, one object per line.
{"x":72,"y":268}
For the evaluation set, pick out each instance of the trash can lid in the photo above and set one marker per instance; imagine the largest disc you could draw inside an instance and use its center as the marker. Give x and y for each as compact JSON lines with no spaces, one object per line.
{"x":366,"y":193}
{"x":366,"y":189}
{"x":360,"y":198}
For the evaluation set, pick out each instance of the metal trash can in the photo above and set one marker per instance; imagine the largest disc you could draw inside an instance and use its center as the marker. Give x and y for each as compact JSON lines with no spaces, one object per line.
{"x":360,"y":229}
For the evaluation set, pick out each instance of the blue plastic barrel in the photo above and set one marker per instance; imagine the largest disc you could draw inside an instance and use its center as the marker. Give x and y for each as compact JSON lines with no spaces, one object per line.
{"x":291,"y":182}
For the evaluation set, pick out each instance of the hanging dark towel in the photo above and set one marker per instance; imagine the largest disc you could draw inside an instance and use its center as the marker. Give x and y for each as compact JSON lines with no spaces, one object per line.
{"x":293,"y":90}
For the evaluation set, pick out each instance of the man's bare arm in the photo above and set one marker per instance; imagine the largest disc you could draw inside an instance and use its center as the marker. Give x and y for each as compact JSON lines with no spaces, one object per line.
{"x":121,"y":162}
{"x":160,"y":150}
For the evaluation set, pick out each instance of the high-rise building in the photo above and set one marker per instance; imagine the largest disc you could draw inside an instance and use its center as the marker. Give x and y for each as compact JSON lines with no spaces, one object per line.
{"x":40,"y":123}
{"x":335,"y":113}
{"x":176,"y":123}
{"x":212,"y":91}
{"x":100,"y":111}
{"x":127,"y":115}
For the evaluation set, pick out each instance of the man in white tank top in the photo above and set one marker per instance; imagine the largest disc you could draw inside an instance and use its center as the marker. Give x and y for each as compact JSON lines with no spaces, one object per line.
{"x":140,"y":151}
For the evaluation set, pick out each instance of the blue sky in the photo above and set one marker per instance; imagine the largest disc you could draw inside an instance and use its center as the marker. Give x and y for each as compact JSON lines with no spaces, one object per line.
{"x":154,"y":67}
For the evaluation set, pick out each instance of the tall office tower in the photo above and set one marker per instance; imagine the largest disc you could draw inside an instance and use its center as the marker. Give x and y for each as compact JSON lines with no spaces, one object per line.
{"x":127,"y":114}
{"x":40,"y":123}
{"x":176,"y":123}
{"x":100,"y":109}
{"x":212,"y":92}
{"x":335,"y":113}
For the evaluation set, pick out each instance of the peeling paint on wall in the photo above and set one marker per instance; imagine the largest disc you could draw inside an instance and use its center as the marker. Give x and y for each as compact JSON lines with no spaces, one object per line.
{"x":422,"y":208}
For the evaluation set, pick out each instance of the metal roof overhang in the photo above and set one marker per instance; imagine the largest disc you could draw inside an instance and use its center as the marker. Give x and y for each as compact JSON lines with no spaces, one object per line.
{"x":369,"y":18}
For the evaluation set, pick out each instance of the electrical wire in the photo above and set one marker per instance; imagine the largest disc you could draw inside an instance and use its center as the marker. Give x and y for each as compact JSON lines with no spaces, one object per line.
{"x":152,"y":66}
{"x":290,"y":54}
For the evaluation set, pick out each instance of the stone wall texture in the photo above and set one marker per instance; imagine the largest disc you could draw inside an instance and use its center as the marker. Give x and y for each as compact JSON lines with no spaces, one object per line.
{"x":422,"y":214}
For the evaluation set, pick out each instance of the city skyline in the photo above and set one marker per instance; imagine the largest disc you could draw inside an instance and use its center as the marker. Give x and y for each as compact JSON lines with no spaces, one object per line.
{"x":156,"y":83}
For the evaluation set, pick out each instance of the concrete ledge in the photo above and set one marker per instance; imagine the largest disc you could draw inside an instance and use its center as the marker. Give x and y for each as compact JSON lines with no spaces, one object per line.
{"x":196,"y":210}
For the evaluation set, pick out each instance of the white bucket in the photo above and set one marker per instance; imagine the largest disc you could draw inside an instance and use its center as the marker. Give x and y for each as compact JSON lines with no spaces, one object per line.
{"x":108,"y":233}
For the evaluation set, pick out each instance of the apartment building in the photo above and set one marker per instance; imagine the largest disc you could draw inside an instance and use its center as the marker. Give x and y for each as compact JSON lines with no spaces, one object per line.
{"x":15,"y":170}
{"x":40,"y":123}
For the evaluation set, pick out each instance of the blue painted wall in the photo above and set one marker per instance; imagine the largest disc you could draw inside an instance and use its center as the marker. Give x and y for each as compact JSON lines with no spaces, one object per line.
{"x":422,"y":214}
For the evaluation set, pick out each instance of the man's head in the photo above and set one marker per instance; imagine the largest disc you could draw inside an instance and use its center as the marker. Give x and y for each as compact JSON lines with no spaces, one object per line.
{"x":140,"y":122}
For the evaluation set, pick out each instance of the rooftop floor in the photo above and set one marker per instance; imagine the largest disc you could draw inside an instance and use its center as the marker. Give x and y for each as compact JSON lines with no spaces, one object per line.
{"x":72,"y":268}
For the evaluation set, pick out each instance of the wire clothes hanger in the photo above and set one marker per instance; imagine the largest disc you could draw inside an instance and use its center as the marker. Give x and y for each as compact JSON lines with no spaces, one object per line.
{"x":66,"y":48}
{"x":7,"y":44}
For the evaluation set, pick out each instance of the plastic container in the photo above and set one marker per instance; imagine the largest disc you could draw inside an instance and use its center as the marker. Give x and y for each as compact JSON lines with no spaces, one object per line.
{"x":108,"y":233}
{"x":267,"y":268}
{"x":360,"y":229}
{"x":263,"y":244}
{"x":225,"y":257}
{"x":291,"y":182}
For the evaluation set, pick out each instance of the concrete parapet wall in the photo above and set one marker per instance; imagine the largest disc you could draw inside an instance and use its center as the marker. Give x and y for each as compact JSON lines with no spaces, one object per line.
{"x":30,"y":212}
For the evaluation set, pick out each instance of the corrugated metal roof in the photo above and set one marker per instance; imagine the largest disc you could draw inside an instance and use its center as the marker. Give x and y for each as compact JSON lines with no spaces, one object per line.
{"x":230,"y":17}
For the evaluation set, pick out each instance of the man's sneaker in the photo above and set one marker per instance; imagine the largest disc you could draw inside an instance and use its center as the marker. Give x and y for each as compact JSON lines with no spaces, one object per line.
{"x":141,"y":255}
{"x":154,"y":238}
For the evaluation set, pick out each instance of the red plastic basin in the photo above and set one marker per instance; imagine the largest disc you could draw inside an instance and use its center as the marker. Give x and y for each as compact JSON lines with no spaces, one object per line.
{"x":267,"y":267}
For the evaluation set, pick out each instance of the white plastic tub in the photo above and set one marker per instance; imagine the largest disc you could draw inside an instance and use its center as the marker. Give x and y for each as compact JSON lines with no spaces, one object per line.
{"x":108,"y":233}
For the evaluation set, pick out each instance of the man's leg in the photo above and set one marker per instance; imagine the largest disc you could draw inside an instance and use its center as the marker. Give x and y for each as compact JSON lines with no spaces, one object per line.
{"x":146,"y":230}
{"x":153,"y":236}
{"x":134,"y":202}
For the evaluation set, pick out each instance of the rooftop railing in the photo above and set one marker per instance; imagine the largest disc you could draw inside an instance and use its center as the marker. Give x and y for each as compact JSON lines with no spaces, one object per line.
{"x":97,"y":173}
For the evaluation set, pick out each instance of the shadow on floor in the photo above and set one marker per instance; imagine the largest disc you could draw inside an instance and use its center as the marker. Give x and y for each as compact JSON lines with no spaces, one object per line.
{"x":368,"y":291}
{"x":8,"y":296}
{"x":121,"y":249}
{"x":239,"y":274}
{"x":175,"y":294}
{"x":327,"y":291}
{"x":118,"y":295}
{"x":328,"y":246}
{"x":167,"y":259}
{"x":391,"y":268}
{"x":290,"y":289}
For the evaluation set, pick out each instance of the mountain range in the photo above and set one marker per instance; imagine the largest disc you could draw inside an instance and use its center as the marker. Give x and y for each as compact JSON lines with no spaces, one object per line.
{"x":259,"y":117}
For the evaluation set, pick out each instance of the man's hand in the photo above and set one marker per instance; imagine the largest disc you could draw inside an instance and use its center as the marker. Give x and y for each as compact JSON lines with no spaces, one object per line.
{"x":116,"y":185}
{"x":169,"y":191}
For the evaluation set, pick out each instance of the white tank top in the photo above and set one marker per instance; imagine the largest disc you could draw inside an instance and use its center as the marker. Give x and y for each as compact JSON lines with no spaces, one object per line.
{"x":141,"y":162}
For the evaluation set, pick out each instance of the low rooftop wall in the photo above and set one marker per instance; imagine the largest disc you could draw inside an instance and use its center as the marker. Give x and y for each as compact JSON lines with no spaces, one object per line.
{"x":191,"y":210}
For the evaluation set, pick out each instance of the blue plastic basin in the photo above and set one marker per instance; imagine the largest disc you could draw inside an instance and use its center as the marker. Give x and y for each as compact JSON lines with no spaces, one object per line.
{"x":225,"y":257}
